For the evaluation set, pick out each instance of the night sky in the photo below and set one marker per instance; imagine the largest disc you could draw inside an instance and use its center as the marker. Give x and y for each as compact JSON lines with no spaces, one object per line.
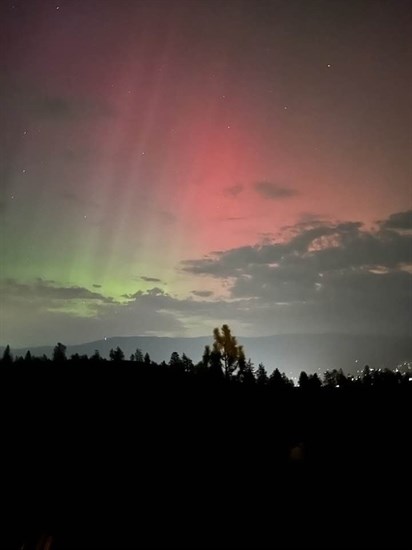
{"x":168,"y":166}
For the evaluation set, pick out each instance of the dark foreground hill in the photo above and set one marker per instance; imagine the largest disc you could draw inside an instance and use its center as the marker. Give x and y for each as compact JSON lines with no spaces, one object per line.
{"x":289,"y":353}
{"x":111,"y":457}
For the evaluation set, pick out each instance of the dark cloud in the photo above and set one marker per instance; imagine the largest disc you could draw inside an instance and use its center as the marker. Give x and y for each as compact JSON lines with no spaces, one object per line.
{"x":48,"y":291}
{"x":97,"y":286}
{"x":150,"y":279}
{"x":324,"y":247}
{"x":273,"y":191}
{"x":37,"y":318}
{"x":400,"y":220}
{"x":151,"y":292}
{"x":336,"y":276}
{"x":202,"y":293}
{"x":233,"y":191}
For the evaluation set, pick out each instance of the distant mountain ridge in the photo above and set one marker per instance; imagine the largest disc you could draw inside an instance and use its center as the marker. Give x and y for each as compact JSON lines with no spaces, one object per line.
{"x":290,"y":353}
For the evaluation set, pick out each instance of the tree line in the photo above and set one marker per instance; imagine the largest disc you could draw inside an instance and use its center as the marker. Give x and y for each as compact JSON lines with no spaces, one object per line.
{"x":223,"y":361}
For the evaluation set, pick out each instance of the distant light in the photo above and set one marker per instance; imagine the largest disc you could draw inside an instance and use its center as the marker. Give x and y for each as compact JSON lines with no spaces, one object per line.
{"x":329,"y":65}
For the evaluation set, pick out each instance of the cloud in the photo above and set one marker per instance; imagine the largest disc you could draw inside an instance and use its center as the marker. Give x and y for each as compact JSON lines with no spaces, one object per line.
{"x":333,"y":276}
{"x":151,"y":292}
{"x":150,"y":279}
{"x":273,"y":191}
{"x":233,"y":191}
{"x":324,"y":247}
{"x":202,"y":293}
{"x":326,"y":277}
{"x":400,"y":220}
{"x":48,"y":291}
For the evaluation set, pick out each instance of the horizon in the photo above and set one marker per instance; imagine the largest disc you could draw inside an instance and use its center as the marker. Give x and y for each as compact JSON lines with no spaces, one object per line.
{"x":290,"y":353}
{"x":202,"y":336}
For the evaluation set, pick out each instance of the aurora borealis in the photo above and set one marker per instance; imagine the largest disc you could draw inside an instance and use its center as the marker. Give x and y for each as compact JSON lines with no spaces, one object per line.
{"x":167,"y":166}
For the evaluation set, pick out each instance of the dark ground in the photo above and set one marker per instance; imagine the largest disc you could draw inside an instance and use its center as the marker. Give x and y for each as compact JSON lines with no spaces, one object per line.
{"x":101,"y":457}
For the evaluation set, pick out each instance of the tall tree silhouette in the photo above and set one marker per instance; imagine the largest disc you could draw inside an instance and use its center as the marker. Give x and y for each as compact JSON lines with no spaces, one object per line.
{"x":116,"y":354}
{"x":314,"y":382}
{"x":216,"y":361}
{"x":206,"y":356}
{"x":138,"y":356}
{"x":7,"y":356}
{"x":247,"y":373}
{"x":303,"y":380}
{"x":261,"y":375}
{"x":229,"y":349}
{"x":59,"y":352}
{"x":96,"y":357}
{"x":187,"y":364}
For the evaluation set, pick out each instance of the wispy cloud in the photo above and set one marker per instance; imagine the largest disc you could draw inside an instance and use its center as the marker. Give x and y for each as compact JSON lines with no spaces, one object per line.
{"x":150,"y":279}
{"x":202,"y":293}
{"x":400,"y":220}
{"x":273,"y":191}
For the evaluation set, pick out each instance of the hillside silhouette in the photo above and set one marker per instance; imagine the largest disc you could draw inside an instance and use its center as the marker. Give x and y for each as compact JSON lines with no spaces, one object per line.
{"x":288,"y":352}
{"x":127,"y":452}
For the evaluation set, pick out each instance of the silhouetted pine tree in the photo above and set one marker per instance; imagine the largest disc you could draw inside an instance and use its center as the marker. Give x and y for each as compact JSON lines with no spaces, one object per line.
{"x":7,"y":356}
{"x":59,"y":353}
{"x":116,"y":354}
